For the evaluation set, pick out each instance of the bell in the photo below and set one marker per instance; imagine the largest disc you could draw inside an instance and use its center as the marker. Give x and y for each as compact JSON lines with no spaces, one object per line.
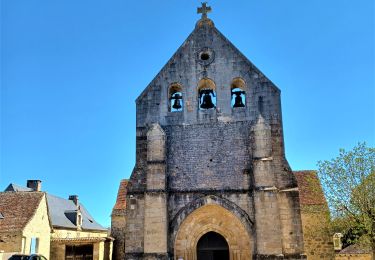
{"x":177,"y":104}
{"x":207,"y":102}
{"x":238,"y":100}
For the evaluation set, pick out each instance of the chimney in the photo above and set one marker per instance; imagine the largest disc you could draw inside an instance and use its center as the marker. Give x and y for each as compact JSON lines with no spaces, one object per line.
{"x":35,"y":185}
{"x":74,"y":198}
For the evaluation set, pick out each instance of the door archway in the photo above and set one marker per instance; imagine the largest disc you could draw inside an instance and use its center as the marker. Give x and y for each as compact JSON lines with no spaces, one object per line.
{"x":212,"y":218}
{"x":212,"y":246}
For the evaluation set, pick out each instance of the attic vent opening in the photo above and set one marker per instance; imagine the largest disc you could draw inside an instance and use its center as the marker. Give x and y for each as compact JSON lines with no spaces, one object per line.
{"x":205,"y":56}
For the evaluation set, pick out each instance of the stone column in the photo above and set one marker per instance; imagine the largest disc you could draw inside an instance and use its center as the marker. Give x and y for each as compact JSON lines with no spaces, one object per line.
{"x":155,"y":220}
{"x":98,"y":253}
{"x":267,"y":218}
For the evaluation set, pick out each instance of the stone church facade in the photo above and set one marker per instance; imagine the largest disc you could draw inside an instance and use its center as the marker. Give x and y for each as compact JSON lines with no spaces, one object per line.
{"x":211,"y":180}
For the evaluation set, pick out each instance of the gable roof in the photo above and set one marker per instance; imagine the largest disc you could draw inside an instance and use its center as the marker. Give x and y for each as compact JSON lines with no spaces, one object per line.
{"x":310,"y":189}
{"x":59,"y":210}
{"x":17,"y":209}
{"x":121,"y":196}
{"x":17,"y":188}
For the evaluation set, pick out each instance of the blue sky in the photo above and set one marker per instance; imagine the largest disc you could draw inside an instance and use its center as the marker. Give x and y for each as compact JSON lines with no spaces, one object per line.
{"x":71,"y":71}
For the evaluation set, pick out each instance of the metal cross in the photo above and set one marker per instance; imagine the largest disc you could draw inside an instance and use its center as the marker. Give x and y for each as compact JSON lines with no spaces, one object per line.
{"x":204,"y":10}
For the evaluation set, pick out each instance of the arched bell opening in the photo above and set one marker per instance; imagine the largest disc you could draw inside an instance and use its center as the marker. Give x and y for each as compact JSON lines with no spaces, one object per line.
{"x":212,"y":246}
{"x":238,"y":93}
{"x":206,"y":94}
{"x":175,"y":98}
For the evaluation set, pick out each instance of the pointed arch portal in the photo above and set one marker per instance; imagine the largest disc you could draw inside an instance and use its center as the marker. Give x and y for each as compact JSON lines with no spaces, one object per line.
{"x":208,"y":226}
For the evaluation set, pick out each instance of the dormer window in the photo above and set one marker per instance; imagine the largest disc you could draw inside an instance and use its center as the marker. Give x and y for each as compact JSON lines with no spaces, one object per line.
{"x":175,"y":98}
{"x":238,"y":93}
{"x":79,"y":219}
{"x":206,"y":94}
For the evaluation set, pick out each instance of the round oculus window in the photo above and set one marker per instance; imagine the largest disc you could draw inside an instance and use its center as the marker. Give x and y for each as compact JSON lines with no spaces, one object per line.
{"x":205,"y":56}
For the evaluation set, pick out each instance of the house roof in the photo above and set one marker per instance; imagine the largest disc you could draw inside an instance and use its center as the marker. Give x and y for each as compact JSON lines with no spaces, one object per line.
{"x":15,"y":187}
{"x":59,"y":210}
{"x":121,"y":196}
{"x":356,"y":249}
{"x":22,"y":203}
{"x":310,"y":189}
{"x":17,"y":209}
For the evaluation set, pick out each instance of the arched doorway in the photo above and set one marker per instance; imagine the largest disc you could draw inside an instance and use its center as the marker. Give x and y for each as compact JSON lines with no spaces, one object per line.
{"x":212,"y":218}
{"x":212,"y":246}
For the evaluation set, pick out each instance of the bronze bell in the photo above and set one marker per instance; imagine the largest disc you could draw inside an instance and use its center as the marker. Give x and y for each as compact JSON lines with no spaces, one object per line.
{"x":177,"y":104}
{"x":207,"y":101}
{"x":238,"y":100}
{"x":176,"y":97}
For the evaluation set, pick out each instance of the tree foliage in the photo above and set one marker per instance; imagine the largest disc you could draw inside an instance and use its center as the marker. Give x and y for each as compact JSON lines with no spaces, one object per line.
{"x":349,"y":184}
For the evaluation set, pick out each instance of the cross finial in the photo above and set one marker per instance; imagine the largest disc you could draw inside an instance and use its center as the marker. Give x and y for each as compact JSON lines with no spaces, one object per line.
{"x":204,"y":10}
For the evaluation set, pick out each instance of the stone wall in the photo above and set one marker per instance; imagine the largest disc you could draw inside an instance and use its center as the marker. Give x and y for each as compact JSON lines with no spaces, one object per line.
{"x":118,"y":229}
{"x":39,"y":227}
{"x":208,"y":156}
{"x":11,"y":241}
{"x":134,"y":236}
{"x":316,"y":232}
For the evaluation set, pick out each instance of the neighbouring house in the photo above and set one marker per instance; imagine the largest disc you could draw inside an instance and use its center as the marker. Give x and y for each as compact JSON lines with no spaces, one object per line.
{"x":317,"y":236}
{"x":24,"y":223}
{"x":68,"y":231}
{"x":356,"y":252}
{"x":75,"y":232}
{"x":118,"y":223}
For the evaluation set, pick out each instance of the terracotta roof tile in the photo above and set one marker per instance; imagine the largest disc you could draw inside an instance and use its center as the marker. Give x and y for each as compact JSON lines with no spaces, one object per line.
{"x":17,"y":209}
{"x":310,"y":190}
{"x":121,"y":196}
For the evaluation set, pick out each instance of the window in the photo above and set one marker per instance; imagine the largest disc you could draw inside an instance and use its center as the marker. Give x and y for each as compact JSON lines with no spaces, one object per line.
{"x":175,"y":98}
{"x":34,"y":245}
{"x":79,"y":219}
{"x":206,"y":94}
{"x":238,"y":93}
{"x":260,"y":104}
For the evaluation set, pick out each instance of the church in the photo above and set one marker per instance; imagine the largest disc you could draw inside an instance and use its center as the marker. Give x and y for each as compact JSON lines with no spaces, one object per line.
{"x":211,"y":180}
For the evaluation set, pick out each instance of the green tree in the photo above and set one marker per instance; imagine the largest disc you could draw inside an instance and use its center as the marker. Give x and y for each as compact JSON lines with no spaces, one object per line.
{"x":349,"y":184}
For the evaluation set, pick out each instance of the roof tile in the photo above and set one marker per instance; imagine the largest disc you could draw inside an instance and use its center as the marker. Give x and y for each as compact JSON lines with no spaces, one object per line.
{"x":17,"y":209}
{"x":121,"y":196}
{"x":310,"y":189}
